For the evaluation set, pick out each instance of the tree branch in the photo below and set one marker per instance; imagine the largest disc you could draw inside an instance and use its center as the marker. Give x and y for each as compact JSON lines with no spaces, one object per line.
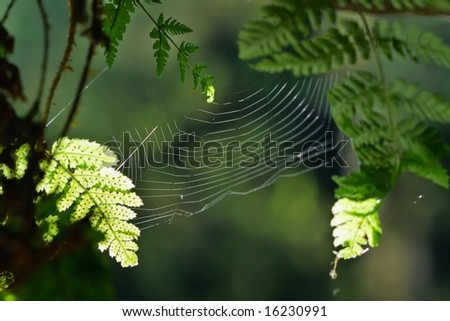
{"x":44,"y":65}
{"x":87,"y":65}
{"x":7,"y":11}
{"x":64,"y":60}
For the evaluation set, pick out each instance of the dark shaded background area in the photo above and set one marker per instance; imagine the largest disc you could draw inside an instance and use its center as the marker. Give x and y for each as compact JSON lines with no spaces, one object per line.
{"x":274,"y":244}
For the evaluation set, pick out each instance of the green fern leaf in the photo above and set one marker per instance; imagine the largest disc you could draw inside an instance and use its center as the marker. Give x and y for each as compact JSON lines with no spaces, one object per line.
{"x":186,"y":49}
{"x":409,"y":41}
{"x":399,"y":5}
{"x":344,"y":3}
{"x":353,"y":98}
{"x":356,"y":226}
{"x":73,"y":153}
{"x":383,"y":121}
{"x":119,"y":235}
{"x":204,"y":80}
{"x":162,"y":33}
{"x":78,"y":173}
{"x":281,"y":27}
{"x":208,"y":88}
{"x":358,"y":37}
{"x":429,"y":168}
{"x":415,"y":102}
{"x":161,"y":46}
{"x":318,"y":54}
{"x":172,"y":26}
{"x":362,"y":185}
{"x":421,"y":138}
{"x":117,"y":16}
{"x":20,"y":157}
{"x":407,"y":4}
{"x":388,"y":125}
{"x":197,"y":72}
{"x":313,"y":56}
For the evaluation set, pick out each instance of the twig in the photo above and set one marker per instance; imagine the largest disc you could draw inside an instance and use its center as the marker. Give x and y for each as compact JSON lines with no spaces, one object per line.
{"x":64,"y":60}
{"x":84,"y":74}
{"x":8,"y":10}
{"x":80,"y":88}
{"x":44,"y":65}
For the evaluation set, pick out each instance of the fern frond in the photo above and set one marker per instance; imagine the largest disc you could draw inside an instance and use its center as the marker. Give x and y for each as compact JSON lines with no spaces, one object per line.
{"x":366,"y":110}
{"x":389,"y":124}
{"x":161,"y":46}
{"x":364,"y":94}
{"x":413,"y":101}
{"x":399,"y":5}
{"x":78,"y":173}
{"x":356,"y":226}
{"x":283,"y":25}
{"x":173,"y":27}
{"x":20,"y":158}
{"x":359,"y":111}
{"x":423,"y":147}
{"x":353,"y":99}
{"x":186,"y":49}
{"x":409,"y":41}
{"x":319,"y":53}
{"x":252,"y":43}
{"x":117,"y":17}
{"x":358,"y":37}
{"x":429,"y":168}
{"x":163,"y":29}
{"x":197,"y":72}
{"x":421,"y":138}
{"x":204,"y":80}
{"x":408,"y":4}
{"x":119,"y":234}
{"x":389,"y":130}
{"x":313,"y":56}
{"x":362,"y":185}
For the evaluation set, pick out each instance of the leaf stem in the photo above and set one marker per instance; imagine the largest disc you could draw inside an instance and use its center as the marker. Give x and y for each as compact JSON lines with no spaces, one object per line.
{"x":375,"y":48}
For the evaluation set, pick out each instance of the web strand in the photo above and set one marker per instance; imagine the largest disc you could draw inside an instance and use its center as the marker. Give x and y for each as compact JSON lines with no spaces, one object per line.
{"x":280,"y":125}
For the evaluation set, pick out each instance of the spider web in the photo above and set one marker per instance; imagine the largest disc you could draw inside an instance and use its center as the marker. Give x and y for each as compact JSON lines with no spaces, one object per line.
{"x":279,"y":127}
